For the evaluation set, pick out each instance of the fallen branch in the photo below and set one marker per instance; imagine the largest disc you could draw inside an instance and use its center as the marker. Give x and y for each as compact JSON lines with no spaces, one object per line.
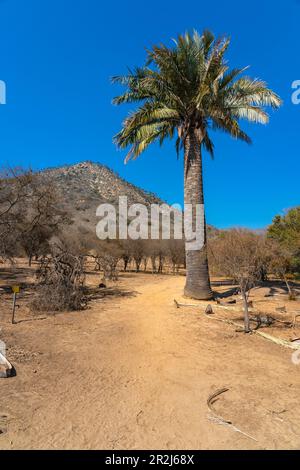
{"x":228,"y":307}
{"x":281,"y":342}
{"x":219,"y":419}
{"x":234,"y":428}
{"x":178,"y":304}
{"x":211,"y":400}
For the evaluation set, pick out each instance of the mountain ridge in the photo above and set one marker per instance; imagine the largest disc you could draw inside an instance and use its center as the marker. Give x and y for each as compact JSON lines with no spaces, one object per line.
{"x":96,"y":173}
{"x":83,"y":186}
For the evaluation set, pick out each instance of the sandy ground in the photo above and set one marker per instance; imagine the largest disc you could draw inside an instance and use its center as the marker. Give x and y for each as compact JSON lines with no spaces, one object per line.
{"x":135,"y":372}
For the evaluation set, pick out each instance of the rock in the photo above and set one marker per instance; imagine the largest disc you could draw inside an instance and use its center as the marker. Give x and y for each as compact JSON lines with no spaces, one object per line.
{"x":281,"y":309}
{"x":209,"y":310}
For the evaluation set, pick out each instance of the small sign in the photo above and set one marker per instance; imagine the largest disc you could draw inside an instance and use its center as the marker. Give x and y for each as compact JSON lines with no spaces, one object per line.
{"x":15,"y":289}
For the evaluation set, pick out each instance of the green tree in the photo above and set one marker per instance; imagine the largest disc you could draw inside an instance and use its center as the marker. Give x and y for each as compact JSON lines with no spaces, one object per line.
{"x":185,"y":91}
{"x":285,"y":230}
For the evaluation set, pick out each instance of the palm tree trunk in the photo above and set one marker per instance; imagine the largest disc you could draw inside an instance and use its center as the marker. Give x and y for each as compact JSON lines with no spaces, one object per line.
{"x":197,"y":275}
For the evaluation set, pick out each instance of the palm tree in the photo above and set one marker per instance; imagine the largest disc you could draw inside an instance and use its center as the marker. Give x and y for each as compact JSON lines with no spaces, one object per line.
{"x":184,"y":91}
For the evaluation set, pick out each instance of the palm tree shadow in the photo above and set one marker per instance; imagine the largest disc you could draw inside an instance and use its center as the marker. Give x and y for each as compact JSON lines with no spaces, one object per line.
{"x":226,"y":294}
{"x":233,"y":290}
{"x":96,"y":293}
{"x":13,"y":372}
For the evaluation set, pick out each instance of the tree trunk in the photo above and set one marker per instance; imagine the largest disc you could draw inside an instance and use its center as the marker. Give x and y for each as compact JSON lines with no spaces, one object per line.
{"x":153,"y":264}
{"x":292,"y":295}
{"x":137,"y":265}
{"x":197,"y":275}
{"x":287,"y":285}
{"x":125,"y":260}
{"x":246,"y":311}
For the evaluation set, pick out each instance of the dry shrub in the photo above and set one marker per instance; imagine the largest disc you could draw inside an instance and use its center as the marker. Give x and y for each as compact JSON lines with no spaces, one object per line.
{"x":107,"y":256}
{"x":108,"y":264}
{"x":240,"y":254}
{"x":61,"y":278}
{"x":57,"y":297}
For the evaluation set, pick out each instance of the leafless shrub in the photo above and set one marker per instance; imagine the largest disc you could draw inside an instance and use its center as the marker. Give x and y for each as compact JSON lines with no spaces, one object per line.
{"x":126,"y":253}
{"x":30,"y":213}
{"x":240,"y":254}
{"x":138,"y":253}
{"x":61,"y":278}
{"x":108,"y":264}
{"x":157,"y":251}
{"x":176,"y":254}
{"x":107,"y":256}
{"x":15,"y":190}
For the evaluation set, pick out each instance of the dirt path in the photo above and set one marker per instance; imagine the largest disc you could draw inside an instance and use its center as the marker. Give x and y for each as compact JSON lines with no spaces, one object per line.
{"x":134,"y":372}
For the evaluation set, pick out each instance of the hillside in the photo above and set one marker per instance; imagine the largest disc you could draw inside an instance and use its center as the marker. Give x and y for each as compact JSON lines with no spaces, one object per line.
{"x":86,"y":185}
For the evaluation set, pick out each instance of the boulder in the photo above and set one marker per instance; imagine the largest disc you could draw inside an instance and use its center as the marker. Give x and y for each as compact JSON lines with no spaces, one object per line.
{"x":6,"y":369}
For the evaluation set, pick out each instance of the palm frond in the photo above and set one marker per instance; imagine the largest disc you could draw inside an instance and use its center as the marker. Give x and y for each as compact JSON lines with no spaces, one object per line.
{"x":189,"y":87}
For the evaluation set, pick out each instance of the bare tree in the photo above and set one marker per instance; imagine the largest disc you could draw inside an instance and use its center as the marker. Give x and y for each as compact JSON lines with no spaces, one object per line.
{"x":107,"y":256}
{"x":126,"y":252}
{"x":280,"y":263}
{"x":29,"y":212}
{"x":176,"y":254}
{"x":240,"y":254}
{"x":138,"y":251}
{"x":15,"y":191}
{"x":152,"y":251}
{"x":61,"y":280}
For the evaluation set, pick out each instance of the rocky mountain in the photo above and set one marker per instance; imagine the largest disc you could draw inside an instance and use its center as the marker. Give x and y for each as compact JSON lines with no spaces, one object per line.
{"x":86,"y":185}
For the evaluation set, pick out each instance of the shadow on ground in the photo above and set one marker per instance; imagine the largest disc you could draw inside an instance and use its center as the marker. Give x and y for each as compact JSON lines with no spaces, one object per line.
{"x":96,"y":293}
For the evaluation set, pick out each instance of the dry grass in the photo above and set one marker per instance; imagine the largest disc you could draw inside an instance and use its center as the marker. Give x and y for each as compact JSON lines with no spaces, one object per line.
{"x":133,"y":371}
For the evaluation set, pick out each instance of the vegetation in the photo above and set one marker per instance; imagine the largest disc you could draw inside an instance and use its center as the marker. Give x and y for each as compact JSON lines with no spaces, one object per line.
{"x":285,"y":230}
{"x":32,"y":223}
{"x":30,"y":213}
{"x":241,"y":255}
{"x":61,"y":280}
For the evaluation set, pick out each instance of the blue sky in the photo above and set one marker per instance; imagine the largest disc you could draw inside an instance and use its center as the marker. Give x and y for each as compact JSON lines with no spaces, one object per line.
{"x":57,"y":57}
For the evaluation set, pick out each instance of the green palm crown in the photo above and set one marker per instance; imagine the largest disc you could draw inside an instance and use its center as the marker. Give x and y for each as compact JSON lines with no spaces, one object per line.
{"x":189,"y":87}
